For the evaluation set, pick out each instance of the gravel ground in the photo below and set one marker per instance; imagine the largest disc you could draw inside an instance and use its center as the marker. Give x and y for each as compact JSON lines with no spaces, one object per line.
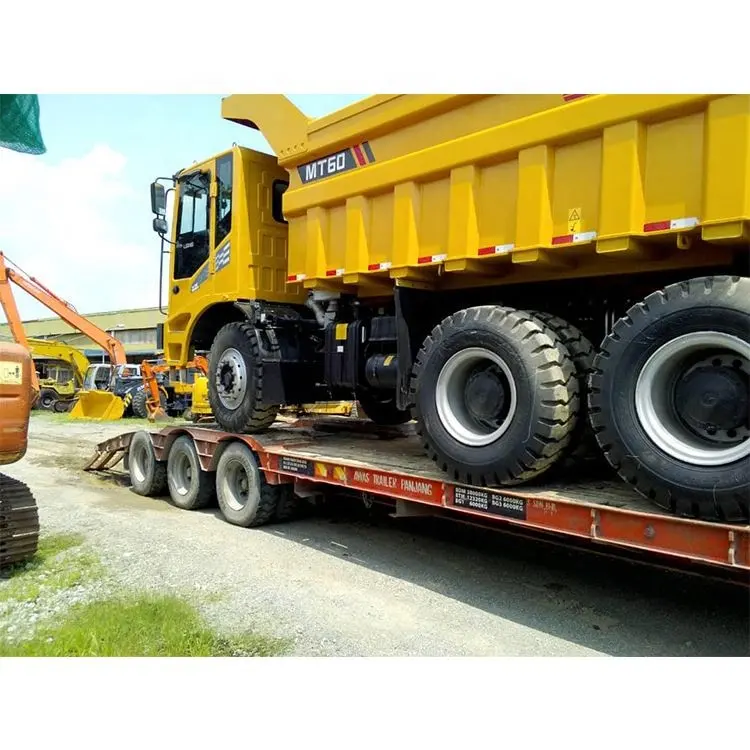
{"x":346,"y":586}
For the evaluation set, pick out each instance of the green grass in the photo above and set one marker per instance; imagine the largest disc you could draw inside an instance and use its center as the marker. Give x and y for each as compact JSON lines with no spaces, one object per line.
{"x":139,"y":625}
{"x":58,"y":564}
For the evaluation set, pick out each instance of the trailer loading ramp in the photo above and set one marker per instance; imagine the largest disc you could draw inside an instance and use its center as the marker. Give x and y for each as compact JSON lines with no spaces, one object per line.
{"x":316,"y":454}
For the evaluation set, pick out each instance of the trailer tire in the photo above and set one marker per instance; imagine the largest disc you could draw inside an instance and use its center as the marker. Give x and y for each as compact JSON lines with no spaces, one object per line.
{"x":148,"y":476}
{"x":288,"y":504}
{"x":583,"y":448}
{"x":245,"y":498}
{"x":190,"y":488}
{"x":235,"y":381}
{"x":649,"y":405}
{"x":47,"y":399}
{"x":531,"y":384}
{"x":381,"y":408}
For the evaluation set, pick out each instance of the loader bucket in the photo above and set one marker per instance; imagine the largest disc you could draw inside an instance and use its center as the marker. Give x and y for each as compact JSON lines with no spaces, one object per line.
{"x":98,"y":405}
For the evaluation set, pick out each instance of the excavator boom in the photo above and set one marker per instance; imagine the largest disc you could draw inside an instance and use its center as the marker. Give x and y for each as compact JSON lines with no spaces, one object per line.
{"x":115,"y":350}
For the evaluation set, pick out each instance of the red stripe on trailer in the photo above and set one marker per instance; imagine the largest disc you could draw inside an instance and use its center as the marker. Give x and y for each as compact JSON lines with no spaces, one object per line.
{"x":360,"y":156}
{"x":379,"y":266}
{"x":572,"y":97}
{"x":495,"y":250}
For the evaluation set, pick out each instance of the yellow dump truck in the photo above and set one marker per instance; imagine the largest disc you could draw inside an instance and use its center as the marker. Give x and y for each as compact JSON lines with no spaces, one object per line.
{"x":527,"y":276}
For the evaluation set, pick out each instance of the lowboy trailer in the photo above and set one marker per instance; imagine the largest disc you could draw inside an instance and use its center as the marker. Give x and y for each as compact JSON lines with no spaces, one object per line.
{"x":265,"y":478}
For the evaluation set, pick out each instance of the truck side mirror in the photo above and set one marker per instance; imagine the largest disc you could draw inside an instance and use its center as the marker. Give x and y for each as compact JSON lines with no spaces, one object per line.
{"x":158,"y":199}
{"x":160,"y":225}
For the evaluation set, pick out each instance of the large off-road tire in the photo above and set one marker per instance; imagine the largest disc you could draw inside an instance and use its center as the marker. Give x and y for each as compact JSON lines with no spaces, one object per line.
{"x":669,"y":398}
{"x":235,"y":381}
{"x":138,"y":403}
{"x":190,"y":488}
{"x":245,"y":498}
{"x":381,"y":407}
{"x":47,"y":399}
{"x":583,"y":450}
{"x":288,"y":505}
{"x":496,"y":396}
{"x":148,"y":476}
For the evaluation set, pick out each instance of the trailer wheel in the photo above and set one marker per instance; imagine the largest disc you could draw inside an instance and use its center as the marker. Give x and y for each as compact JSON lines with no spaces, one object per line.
{"x":583,"y":448}
{"x":235,"y":381}
{"x":669,"y":398}
{"x":381,"y":408}
{"x":245,"y":498}
{"x":495,"y":394}
{"x":190,"y":488}
{"x":148,"y":476}
{"x":47,"y":399}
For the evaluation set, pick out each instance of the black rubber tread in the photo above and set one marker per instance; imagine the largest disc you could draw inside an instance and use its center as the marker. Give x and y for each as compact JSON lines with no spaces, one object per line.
{"x":19,"y":522}
{"x":138,"y":403}
{"x":381,"y":408}
{"x":47,"y":399}
{"x":535,"y":441}
{"x":203,"y":489}
{"x":253,"y":416}
{"x":268,"y":494}
{"x":715,"y":303}
{"x":583,"y":448}
{"x":155,"y":481}
{"x":288,"y":504}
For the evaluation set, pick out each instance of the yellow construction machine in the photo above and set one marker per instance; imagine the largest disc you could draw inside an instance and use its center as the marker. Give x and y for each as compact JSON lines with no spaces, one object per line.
{"x":535,"y":279}
{"x":101,"y":396}
{"x":61,"y":370}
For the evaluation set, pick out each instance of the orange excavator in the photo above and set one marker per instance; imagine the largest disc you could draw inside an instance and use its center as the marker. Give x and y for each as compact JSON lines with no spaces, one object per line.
{"x":154,"y":393}
{"x":93,"y":402}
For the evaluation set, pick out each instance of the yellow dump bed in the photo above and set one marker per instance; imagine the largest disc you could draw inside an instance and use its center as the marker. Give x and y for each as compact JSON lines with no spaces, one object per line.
{"x":473,"y":187}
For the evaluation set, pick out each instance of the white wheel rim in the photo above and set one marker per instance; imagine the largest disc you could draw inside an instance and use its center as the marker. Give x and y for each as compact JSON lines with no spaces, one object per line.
{"x":182,"y":473}
{"x":231,"y":379}
{"x":450,"y":396}
{"x":138,"y":462}
{"x":237,"y":485}
{"x":657,"y":412}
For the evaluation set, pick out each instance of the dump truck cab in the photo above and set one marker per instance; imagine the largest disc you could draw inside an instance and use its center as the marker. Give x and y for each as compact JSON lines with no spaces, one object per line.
{"x":228,"y":246}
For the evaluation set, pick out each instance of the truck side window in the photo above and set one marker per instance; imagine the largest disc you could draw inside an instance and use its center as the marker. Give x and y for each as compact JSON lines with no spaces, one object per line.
{"x":224,"y":200}
{"x":191,"y":249}
{"x":277,"y":192}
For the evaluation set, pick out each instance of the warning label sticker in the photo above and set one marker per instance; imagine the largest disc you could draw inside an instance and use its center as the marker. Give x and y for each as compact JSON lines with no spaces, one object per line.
{"x":490,"y":502}
{"x":296,"y":465}
{"x":574,"y":221}
{"x":11,"y":373}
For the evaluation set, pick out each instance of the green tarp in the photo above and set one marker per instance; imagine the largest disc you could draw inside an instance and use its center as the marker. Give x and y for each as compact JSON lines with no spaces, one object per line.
{"x":19,"y":123}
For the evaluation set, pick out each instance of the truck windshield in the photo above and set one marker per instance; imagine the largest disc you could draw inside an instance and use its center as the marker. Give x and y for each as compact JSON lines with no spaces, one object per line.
{"x":191,"y":249}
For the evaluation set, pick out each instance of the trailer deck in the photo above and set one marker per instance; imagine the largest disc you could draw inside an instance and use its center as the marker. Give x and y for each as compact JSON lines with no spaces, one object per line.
{"x":389,"y":463}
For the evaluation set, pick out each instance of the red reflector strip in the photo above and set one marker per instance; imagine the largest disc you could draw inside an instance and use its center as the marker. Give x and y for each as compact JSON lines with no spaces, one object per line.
{"x":335,"y":272}
{"x":571,"y":97}
{"x":495,"y":250}
{"x":571,"y":239}
{"x":360,"y":156}
{"x":379,"y":266}
{"x":664,"y":226}
{"x":432,"y":259}
{"x":296,"y":277}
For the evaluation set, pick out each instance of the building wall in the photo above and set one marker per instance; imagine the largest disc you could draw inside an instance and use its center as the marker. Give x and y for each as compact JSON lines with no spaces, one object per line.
{"x":136,"y":329}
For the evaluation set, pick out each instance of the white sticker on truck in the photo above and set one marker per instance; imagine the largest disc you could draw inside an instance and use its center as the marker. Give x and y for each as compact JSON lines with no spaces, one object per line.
{"x":11,"y":373}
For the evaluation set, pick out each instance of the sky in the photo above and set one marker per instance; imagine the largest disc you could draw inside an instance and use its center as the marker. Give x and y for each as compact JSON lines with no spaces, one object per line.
{"x":78,"y":217}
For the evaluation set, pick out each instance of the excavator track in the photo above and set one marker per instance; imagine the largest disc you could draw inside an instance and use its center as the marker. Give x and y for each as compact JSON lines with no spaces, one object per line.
{"x":19,"y":522}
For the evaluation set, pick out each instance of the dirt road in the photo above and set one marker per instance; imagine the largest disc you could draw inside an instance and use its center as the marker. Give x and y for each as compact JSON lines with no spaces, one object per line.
{"x":345,"y":585}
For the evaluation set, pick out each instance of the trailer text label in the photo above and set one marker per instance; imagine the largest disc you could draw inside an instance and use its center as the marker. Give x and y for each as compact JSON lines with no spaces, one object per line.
{"x":343,"y":161}
{"x":490,"y":502}
{"x":403,"y":485}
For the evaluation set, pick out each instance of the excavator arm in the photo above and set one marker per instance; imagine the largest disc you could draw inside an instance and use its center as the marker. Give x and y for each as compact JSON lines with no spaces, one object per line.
{"x":57,"y":350}
{"x":153,"y":395}
{"x":115,"y":350}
